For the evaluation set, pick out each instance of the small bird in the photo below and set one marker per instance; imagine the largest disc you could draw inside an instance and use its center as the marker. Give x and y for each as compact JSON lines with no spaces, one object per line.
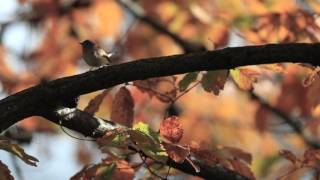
{"x":94,"y":55}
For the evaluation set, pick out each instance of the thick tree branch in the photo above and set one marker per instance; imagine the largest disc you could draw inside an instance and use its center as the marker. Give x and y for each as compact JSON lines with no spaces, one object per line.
{"x":38,"y":99}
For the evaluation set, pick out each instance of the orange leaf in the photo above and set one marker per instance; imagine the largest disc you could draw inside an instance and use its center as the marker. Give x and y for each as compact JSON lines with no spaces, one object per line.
{"x":244,"y":77}
{"x":171,"y":129}
{"x":176,"y":152}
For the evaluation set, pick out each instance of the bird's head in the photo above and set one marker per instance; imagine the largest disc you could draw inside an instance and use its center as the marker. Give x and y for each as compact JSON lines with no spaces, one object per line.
{"x":87,"y":44}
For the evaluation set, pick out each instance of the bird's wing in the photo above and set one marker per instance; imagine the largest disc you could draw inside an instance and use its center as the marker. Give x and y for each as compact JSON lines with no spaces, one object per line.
{"x":101,"y":53}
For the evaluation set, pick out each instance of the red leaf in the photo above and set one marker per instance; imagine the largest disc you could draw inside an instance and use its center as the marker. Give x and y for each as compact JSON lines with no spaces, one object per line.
{"x":94,"y":103}
{"x":171,"y":129}
{"x":5,"y":172}
{"x":122,"y":107}
{"x":176,"y":152}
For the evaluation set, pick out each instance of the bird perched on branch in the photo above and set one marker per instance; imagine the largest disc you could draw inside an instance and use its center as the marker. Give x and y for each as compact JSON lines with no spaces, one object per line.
{"x":94,"y":55}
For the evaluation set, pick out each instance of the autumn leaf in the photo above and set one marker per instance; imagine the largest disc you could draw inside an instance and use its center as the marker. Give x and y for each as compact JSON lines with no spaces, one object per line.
{"x":187,"y":80}
{"x":171,"y":129}
{"x":288,"y":155}
{"x":163,"y":88}
{"x":237,"y":153}
{"x":5,"y":172}
{"x":261,"y":119}
{"x":122,"y":107}
{"x":242,"y":168}
{"x":18,"y":151}
{"x":311,"y":77}
{"x":95,"y":103}
{"x":213,"y":81}
{"x":98,"y":171}
{"x":244,"y":77}
{"x":177,"y":153}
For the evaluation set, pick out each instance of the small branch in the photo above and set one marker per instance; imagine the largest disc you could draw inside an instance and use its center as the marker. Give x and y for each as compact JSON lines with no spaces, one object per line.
{"x":294,"y":124}
{"x":139,"y":13}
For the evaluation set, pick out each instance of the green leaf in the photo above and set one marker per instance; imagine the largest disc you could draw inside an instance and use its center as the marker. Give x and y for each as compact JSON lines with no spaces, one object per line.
{"x":213,"y":81}
{"x":187,"y":80}
{"x":245,"y":21}
{"x":113,"y":139}
{"x":148,"y":142}
{"x":18,"y":151}
{"x":145,"y":128}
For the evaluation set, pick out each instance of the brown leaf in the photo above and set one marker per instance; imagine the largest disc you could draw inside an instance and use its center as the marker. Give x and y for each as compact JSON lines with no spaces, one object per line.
{"x":237,"y":153}
{"x":206,"y":155}
{"x":312,"y":155}
{"x":311,"y":77}
{"x":123,"y":171}
{"x":288,"y":155}
{"x":122,"y":107}
{"x":213,"y":81}
{"x":162,"y":87}
{"x":18,"y":151}
{"x":261,"y":119}
{"x":242,"y":168}
{"x":171,"y":129}
{"x":176,"y":152}
{"x":94,"y":104}
{"x":5,"y":172}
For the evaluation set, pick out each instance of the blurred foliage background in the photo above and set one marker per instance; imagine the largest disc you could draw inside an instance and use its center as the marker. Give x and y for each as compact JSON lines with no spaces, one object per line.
{"x":39,"y":42}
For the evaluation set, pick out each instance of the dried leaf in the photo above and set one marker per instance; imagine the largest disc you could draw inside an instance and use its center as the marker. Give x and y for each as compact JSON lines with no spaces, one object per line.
{"x":242,"y":168}
{"x":162,"y":87}
{"x":187,"y":80}
{"x":171,"y":129}
{"x":311,"y":77}
{"x":237,"y":153}
{"x":98,"y":171}
{"x":213,"y":81}
{"x":18,"y":151}
{"x":312,"y":155}
{"x":122,"y":107}
{"x":95,"y":103}
{"x":244,"y":77}
{"x":261,"y":119}
{"x":176,"y":152}
{"x":5,"y":172}
{"x":288,"y":155}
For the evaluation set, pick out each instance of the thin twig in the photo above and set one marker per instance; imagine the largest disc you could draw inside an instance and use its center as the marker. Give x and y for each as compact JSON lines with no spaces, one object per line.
{"x":148,"y":168}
